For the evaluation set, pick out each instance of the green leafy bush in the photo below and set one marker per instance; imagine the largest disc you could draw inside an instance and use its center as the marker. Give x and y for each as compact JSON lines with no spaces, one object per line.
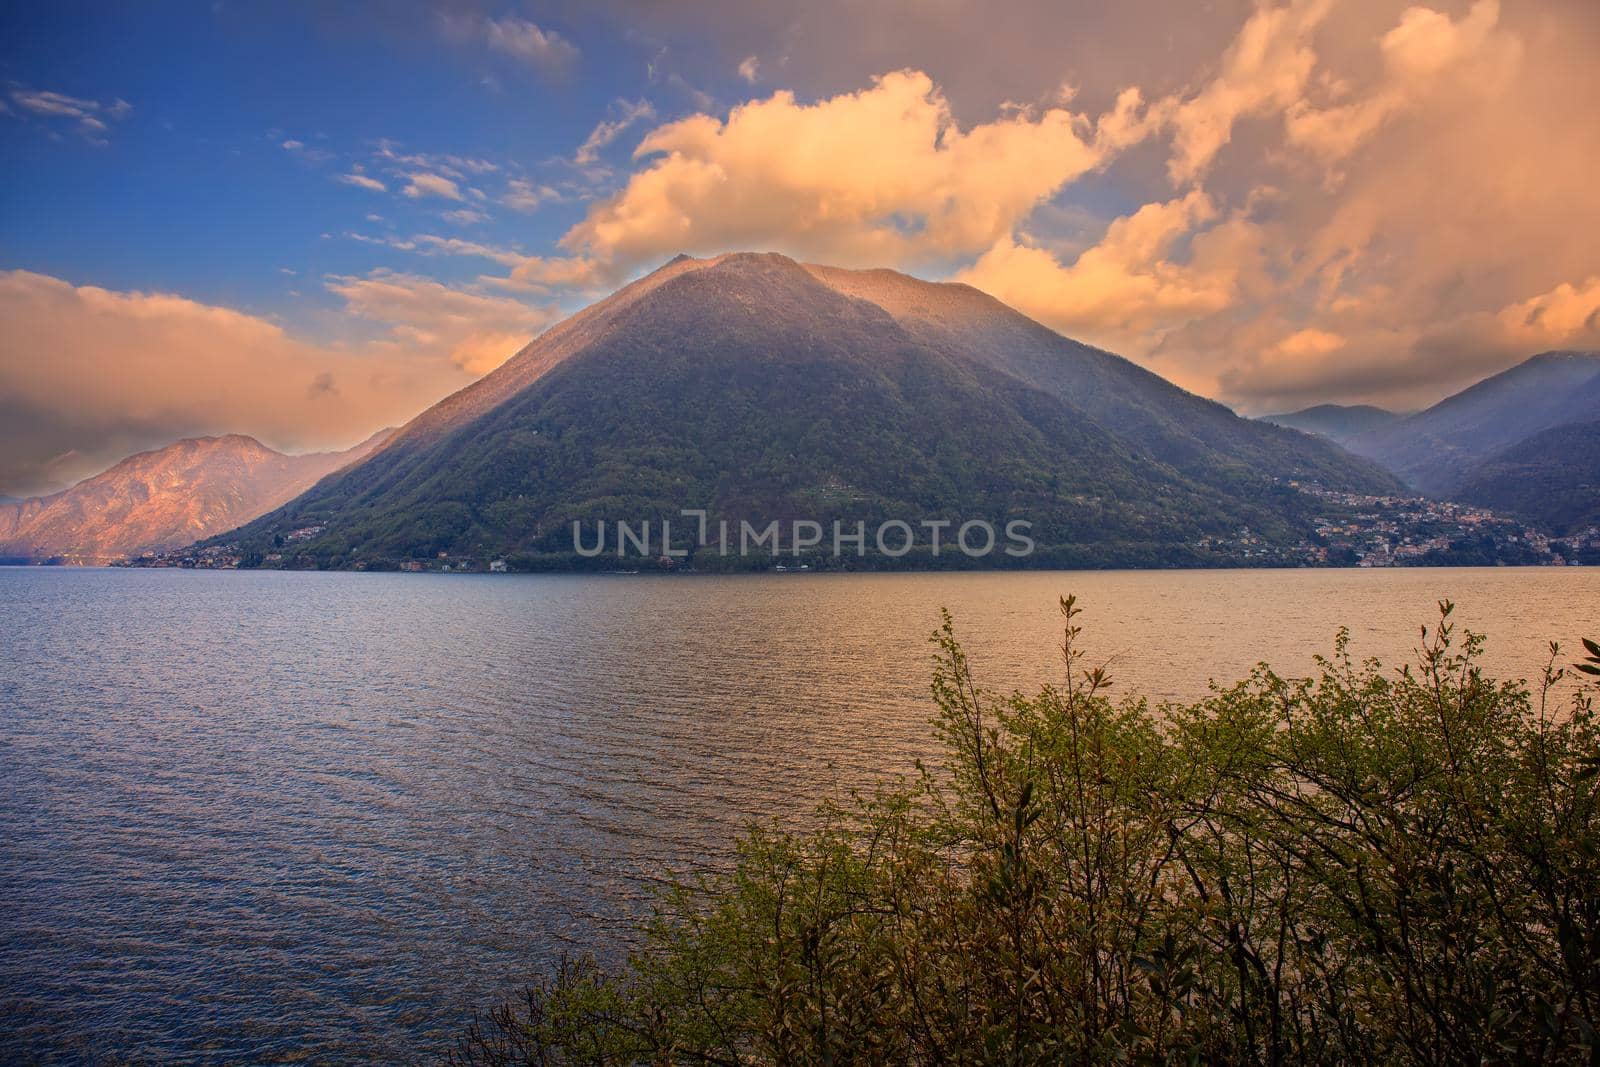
{"x":1363,"y":867}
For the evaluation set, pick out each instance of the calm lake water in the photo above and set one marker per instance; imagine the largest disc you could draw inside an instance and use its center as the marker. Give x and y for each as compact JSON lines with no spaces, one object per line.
{"x":268,"y":816}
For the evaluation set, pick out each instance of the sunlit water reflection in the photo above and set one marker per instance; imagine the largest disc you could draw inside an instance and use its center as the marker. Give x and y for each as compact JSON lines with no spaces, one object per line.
{"x":269,"y":816}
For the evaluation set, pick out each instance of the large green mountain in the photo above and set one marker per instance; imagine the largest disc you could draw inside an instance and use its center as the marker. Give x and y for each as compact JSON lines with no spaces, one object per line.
{"x":762,"y":389}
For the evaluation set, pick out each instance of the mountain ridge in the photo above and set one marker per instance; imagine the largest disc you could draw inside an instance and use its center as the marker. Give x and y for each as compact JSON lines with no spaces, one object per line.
{"x":1551,"y":478}
{"x":1434,"y":449}
{"x":749,"y":382}
{"x":165,"y":498}
{"x":1337,"y":422}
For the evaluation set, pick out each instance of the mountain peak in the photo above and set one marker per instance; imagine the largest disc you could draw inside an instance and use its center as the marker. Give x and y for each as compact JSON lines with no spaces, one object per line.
{"x":758,"y":387}
{"x":1337,"y":422}
{"x":1558,"y":357}
{"x":165,"y":498}
{"x":1434,"y":449}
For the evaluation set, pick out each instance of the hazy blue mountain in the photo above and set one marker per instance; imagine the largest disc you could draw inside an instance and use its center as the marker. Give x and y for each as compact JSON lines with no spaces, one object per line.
{"x":1436,"y":449}
{"x":1551,"y":479}
{"x":165,"y":498}
{"x":1337,"y":422}
{"x":763,"y":389}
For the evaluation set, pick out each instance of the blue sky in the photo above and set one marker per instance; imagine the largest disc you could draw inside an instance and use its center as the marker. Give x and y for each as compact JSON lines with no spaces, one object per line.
{"x":194,"y":191}
{"x":304,"y":221}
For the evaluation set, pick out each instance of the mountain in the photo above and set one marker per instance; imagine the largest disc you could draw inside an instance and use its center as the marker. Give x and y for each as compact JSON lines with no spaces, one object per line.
{"x":762,"y":389}
{"x":165,"y":499}
{"x":1551,"y":479}
{"x":1337,"y":422}
{"x":1436,"y":450}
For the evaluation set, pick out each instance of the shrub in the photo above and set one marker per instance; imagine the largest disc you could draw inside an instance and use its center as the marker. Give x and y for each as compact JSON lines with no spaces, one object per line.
{"x":1362,"y":867}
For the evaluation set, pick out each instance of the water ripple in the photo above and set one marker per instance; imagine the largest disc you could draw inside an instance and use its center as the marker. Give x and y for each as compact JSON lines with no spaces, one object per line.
{"x":278,"y":817}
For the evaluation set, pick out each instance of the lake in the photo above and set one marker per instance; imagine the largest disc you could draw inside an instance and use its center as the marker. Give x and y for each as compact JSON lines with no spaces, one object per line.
{"x":273,"y":816}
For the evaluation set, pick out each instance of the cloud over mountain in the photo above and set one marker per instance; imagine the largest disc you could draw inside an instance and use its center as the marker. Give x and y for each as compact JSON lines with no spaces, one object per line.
{"x":88,"y":375}
{"x":1398,"y":181}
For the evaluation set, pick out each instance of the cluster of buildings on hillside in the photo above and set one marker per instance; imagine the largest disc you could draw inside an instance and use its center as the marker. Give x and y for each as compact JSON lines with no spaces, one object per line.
{"x":213,"y":558}
{"x":1391,"y":531}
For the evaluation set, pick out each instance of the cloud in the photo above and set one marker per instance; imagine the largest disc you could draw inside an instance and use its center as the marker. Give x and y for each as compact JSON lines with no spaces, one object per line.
{"x":301,"y":150}
{"x":90,"y":119}
{"x":1265,"y":70}
{"x":477,"y":332}
{"x":1421,"y":56}
{"x":427,"y":244}
{"x":420,"y":184}
{"x":880,"y":176}
{"x":132,"y":370}
{"x":544,"y":49}
{"x":362,"y":181}
{"x":465,"y":216}
{"x":1374,"y":200}
{"x":608,"y":130}
{"x":541,"y":274}
{"x":1309,"y":342}
{"x":1567,"y":316}
{"x":456,"y":247}
{"x":480,"y":353}
{"x":748,"y":67}
{"x":1125,"y":288}
{"x":390,"y":155}
{"x":522,"y":195}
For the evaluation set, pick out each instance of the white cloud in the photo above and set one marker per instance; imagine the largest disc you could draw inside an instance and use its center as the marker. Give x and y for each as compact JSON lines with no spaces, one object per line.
{"x":607,"y":130}
{"x":1264,"y":71}
{"x":881,"y":176}
{"x":1425,"y":54}
{"x":544,"y":49}
{"x":522,"y":195}
{"x":361,"y":181}
{"x":1566,"y":316}
{"x":420,"y":184}
{"x":1122,"y":290}
{"x":428,"y":244}
{"x":89,"y":117}
{"x":748,"y":68}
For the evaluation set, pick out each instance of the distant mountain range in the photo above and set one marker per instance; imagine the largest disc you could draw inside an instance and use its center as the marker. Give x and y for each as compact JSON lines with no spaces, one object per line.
{"x":1337,"y":422}
{"x":1552,"y":478}
{"x":1514,"y":442}
{"x":164,"y":499}
{"x":760,"y":388}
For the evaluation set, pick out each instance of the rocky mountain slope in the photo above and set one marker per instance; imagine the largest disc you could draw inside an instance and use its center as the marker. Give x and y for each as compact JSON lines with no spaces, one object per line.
{"x":165,"y":499}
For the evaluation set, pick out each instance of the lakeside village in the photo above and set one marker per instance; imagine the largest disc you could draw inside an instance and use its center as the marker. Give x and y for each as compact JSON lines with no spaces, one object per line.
{"x":1356,"y":531}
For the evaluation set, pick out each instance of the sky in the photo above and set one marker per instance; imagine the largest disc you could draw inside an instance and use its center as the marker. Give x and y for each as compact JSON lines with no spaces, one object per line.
{"x":305,"y":221}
